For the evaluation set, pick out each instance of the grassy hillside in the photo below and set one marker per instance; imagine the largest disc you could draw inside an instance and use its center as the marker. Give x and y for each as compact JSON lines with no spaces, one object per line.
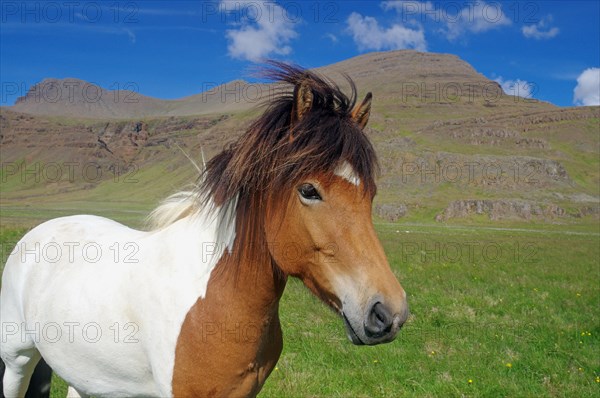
{"x":546,"y":159}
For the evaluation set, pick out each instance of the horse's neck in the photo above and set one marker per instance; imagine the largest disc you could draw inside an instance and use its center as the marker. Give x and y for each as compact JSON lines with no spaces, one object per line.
{"x":252,"y":287}
{"x":233,"y":333}
{"x":255,"y":289}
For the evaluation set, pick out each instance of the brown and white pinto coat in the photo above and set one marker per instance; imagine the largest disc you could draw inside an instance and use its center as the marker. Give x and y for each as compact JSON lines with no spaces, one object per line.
{"x":292,"y":197}
{"x":329,"y":243}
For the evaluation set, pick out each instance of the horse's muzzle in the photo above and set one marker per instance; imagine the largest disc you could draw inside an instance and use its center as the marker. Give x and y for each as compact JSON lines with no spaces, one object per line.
{"x":379,"y":321}
{"x":381,"y":325}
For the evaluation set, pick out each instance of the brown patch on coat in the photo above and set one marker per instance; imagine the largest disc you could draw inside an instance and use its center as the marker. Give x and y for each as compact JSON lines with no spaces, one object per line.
{"x":231,"y":339}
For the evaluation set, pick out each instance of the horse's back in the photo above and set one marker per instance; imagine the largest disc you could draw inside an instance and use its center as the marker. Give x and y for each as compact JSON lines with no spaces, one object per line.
{"x":62,"y":249}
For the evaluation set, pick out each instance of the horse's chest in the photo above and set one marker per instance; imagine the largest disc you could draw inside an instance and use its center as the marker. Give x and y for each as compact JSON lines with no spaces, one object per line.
{"x":224,"y":365}
{"x":249,"y":380}
{"x":246,"y":382}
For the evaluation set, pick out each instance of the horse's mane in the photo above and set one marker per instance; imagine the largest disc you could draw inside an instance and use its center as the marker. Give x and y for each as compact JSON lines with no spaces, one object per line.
{"x":273,"y":156}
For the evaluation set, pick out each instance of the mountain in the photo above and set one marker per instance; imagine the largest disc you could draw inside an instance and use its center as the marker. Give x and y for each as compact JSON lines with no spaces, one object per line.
{"x":399,"y":78}
{"x":78,"y":98}
{"x":452,"y":146}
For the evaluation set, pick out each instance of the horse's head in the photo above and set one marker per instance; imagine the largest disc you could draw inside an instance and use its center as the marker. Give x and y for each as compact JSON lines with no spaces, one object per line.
{"x":322,"y":232}
{"x":326,"y":238}
{"x":302,"y":183}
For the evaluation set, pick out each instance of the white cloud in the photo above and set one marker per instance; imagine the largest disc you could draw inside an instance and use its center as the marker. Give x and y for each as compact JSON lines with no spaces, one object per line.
{"x":587,"y":91}
{"x":540,"y":30}
{"x":474,"y":17}
{"x":518,"y":88}
{"x":477,"y":17}
{"x":332,"y":37}
{"x":368,"y":35}
{"x":131,"y":35}
{"x":263,"y":30}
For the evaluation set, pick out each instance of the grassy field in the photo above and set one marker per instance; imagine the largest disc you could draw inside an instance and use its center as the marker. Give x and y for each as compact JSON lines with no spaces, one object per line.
{"x":494,"y":312}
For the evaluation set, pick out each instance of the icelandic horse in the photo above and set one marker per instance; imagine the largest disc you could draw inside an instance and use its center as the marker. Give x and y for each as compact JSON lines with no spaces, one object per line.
{"x":190,"y":307}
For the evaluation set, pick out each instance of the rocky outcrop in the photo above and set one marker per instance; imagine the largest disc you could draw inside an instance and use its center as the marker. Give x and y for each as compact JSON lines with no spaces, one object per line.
{"x":29,"y":141}
{"x":391,"y":212}
{"x":511,"y":209}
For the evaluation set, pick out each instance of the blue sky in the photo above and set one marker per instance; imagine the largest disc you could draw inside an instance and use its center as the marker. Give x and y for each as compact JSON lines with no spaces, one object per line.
{"x":175,"y":49}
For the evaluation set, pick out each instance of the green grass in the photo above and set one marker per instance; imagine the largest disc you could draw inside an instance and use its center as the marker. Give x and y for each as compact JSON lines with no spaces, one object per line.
{"x":472,"y":315}
{"x":514,"y":311}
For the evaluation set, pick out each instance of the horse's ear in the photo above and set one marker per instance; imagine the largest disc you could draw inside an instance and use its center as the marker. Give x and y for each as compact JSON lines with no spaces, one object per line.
{"x":303,"y":99}
{"x":361,"y":113}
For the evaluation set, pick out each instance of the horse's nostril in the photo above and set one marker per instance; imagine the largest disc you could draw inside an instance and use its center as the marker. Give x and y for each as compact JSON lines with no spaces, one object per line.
{"x":379,"y":321}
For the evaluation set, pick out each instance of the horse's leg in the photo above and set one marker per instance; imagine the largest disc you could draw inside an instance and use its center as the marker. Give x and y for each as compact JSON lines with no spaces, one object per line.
{"x":18,"y":372}
{"x":73,"y":393}
{"x":41,"y":381}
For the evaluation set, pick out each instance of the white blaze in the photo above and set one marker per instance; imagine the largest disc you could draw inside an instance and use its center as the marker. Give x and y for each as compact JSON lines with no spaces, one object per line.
{"x":346,"y":171}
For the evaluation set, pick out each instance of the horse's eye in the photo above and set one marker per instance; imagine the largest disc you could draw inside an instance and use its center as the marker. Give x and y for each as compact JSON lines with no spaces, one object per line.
{"x":309,"y":192}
